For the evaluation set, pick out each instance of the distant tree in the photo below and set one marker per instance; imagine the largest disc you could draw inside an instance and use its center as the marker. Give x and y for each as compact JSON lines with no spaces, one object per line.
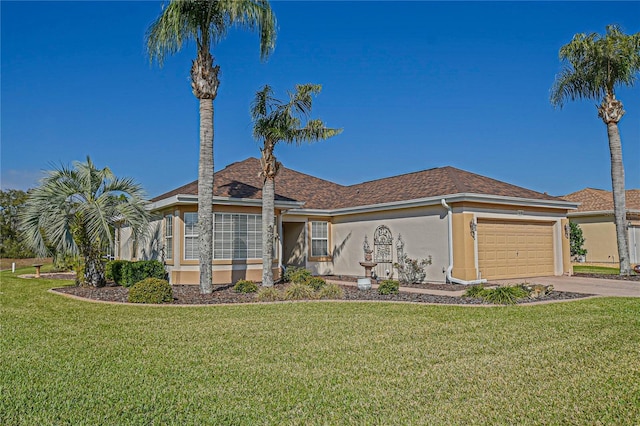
{"x":11,"y":244}
{"x":74,"y":210}
{"x":576,"y":240}
{"x":206,"y":22}
{"x":275,"y":121}
{"x":594,"y":66}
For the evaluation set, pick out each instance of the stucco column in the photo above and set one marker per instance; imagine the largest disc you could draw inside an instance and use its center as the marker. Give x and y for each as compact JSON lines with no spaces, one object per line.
{"x":464,"y":259}
{"x":567,"y":269}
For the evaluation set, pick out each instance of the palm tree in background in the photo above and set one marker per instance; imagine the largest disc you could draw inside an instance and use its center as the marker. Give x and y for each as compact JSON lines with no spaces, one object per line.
{"x":594,"y":66}
{"x":275,"y":121}
{"x":75,"y":210}
{"x":206,"y":22}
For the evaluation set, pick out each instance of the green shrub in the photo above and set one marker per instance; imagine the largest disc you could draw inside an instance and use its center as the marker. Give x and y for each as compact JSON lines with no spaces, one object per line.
{"x":476,"y":291}
{"x":316,"y":283}
{"x":132,"y":272}
{"x":412,"y":270}
{"x":331,"y":291}
{"x":65,"y":262}
{"x":297,"y":275}
{"x":151,"y":290}
{"x":507,"y":295}
{"x":299,"y":292}
{"x":389,"y":287}
{"x":114,"y":269}
{"x":268,"y":294}
{"x":245,"y":286}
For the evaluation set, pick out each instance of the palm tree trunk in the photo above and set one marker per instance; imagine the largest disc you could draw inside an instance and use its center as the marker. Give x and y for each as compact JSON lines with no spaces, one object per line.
{"x":611,"y":111}
{"x":270,"y":167}
{"x":205,"y":197}
{"x":268,"y":214}
{"x":619,"y":199}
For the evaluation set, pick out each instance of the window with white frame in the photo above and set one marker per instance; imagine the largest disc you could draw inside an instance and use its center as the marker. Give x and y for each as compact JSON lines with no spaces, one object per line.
{"x":168,"y":236}
{"x":237,"y":236}
{"x":319,"y":239}
{"x":191,"y":236}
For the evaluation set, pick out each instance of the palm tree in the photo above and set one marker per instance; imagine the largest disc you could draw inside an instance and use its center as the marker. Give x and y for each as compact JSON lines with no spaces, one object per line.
{"x":206,"y":22}
{"x":594,"y":66}
{"x":273,"y":122}
{"x":74,"y":211}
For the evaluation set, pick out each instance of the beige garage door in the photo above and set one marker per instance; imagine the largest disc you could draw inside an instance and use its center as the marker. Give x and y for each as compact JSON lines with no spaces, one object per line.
{"x":515,"y":249}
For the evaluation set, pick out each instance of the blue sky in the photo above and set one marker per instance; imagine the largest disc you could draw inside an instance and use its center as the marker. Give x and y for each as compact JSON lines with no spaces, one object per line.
{"x":415,"y":85}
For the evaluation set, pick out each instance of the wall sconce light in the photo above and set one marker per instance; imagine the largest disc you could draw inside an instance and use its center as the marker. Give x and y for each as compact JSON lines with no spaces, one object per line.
{"x":567,"y":230}
{"x":473,"y":227}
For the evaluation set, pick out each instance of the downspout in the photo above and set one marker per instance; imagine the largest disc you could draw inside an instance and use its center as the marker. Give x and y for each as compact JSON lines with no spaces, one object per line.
{"x":450,"y":240}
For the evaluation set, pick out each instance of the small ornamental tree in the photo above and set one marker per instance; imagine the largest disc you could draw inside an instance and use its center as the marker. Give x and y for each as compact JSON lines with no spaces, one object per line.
{"x":576,"y":240}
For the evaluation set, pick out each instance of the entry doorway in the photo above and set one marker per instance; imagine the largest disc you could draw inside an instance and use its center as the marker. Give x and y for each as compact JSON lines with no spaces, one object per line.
{"x":293,"y":244}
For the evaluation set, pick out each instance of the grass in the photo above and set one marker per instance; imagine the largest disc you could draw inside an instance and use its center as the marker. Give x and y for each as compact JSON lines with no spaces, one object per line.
{"x":5,"y":264}
{"x":585,"y":269}
{"x":71,"y":362}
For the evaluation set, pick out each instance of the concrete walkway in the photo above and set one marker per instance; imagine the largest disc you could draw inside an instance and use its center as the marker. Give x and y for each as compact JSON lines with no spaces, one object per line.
{"x":599,"y":286}
{"x":407,"y":289}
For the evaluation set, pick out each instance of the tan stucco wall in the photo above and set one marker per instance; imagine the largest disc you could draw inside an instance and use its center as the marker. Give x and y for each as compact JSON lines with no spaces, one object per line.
{"x":566,"y":249}
{"x":599,"y":233}
{"x":464,"y":255}
{"x":424,"y":232}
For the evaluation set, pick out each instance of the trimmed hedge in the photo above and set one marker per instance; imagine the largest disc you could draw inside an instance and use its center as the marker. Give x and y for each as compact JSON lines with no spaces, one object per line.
{"x":113,"y":270}
{"x":151,"y":290}
{"x":126,"y":273}
{"x":389,"y":287}
{"x":245,"y":286}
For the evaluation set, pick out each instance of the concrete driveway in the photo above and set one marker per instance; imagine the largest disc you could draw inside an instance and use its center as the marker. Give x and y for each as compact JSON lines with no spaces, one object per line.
{"x":585,"y":285}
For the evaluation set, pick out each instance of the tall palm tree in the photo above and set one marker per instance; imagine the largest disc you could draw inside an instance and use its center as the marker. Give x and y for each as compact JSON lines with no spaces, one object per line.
{"x":206,"y":22}
{"x":594,"y":66}
{"x":74,"y":211}
{"x":275,"y":121}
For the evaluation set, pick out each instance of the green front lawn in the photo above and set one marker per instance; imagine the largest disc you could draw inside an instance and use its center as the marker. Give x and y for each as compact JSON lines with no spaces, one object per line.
{"x":65,"y":361}
{"x":585,"y":269}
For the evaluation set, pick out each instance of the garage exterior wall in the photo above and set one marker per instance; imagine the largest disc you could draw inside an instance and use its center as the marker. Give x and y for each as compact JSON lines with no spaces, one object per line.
{"x":466,"y":264}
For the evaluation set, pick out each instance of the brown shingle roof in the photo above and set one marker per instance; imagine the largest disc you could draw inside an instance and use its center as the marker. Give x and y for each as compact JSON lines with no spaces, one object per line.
{"x":594,"y":200}
{"x":242,"y":180}
{"x":432,"y":183}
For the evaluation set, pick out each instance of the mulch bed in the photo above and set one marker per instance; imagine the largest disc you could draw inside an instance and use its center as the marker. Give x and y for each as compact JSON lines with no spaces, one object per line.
{"x":190,"y":295}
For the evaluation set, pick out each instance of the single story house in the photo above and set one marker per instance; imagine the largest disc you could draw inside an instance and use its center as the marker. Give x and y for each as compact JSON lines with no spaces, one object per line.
{"x":595,"y":217}
{"x":473,"y":227}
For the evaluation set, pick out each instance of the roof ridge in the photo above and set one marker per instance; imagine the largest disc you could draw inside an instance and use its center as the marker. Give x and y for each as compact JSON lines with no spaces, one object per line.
{"x":395,"y":176}
{"x":460,"y":185}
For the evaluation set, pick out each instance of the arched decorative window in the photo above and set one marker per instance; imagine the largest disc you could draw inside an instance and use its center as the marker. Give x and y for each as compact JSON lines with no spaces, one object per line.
{"x":383,"y":252}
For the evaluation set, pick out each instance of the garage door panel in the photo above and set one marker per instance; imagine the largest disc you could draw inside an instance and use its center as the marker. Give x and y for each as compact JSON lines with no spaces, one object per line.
{"x":515,"y":249}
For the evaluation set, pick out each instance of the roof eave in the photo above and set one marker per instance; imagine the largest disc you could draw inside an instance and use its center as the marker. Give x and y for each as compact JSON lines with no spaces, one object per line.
{"x":601,"y":213}
{"x":432,"y":201}
{"x":188,"y":199}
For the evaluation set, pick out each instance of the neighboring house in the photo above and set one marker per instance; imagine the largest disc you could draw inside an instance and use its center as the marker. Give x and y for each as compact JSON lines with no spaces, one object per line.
{"x":472,"y":226}
{"x":595,"y":217}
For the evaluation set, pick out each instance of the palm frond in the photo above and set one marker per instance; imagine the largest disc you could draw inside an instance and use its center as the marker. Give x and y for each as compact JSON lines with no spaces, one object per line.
{"x":206,"y":22}
{"x":595,"y":65}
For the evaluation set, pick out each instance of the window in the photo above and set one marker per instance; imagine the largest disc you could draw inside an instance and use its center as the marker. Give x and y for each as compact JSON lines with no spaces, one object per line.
{"x":191,"y":236}
{"x":319,"y":239}
{"x":237,"y":236}
{"x":168,"y":236}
